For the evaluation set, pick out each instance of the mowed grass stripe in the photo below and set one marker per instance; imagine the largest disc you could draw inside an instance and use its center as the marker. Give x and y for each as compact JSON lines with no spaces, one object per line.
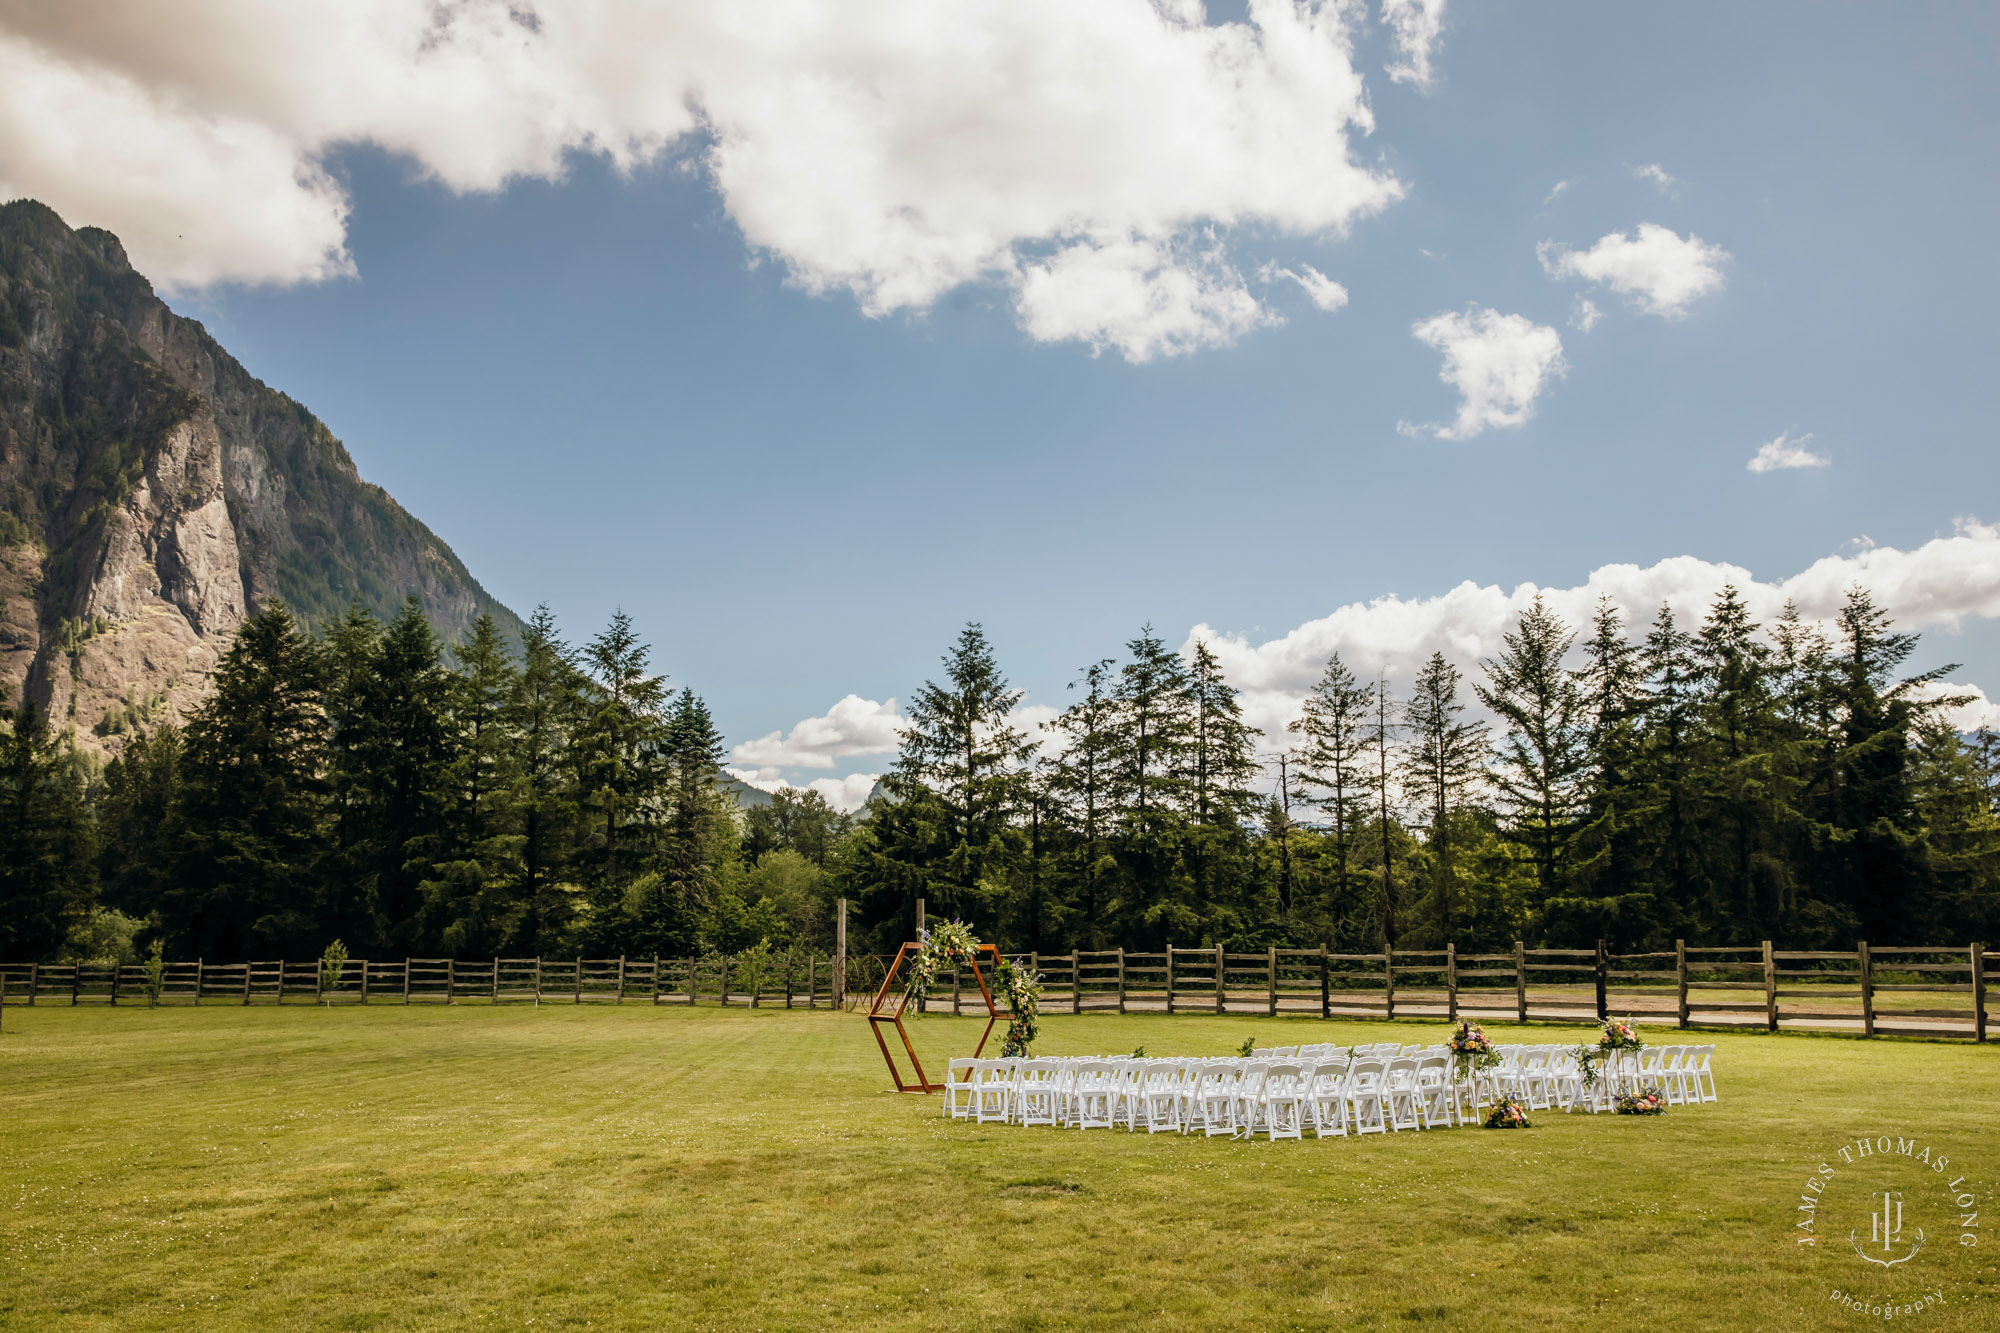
{"x":641,"y":1167}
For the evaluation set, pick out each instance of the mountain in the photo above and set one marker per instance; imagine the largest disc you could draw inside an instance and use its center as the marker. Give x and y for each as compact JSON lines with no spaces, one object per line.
{"x":153,"y":492}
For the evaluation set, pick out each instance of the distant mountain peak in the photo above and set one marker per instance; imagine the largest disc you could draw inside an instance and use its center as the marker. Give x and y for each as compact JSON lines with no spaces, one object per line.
{"x":153,"y":493}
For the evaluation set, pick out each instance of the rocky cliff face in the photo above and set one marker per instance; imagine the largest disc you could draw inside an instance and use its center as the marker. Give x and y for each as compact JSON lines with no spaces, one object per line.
{"x":153,"y":493}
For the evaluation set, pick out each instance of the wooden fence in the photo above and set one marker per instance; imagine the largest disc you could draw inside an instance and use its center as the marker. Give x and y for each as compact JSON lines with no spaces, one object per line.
{"x":790,"y":982}
{"x":1937,"y":991}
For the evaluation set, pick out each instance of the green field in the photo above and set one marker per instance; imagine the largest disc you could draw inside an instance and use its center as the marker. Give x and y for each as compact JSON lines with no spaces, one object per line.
{"x":634,"y":1167}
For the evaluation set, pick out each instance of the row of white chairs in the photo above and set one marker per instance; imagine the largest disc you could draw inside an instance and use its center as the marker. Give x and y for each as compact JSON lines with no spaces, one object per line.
{"x":1325,"y":1090}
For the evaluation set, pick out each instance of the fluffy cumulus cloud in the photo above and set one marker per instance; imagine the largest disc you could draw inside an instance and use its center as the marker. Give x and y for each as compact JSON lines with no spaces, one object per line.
{"x":854,"y":726}
{"x":1663,"y":272}
{"x":1498,"y":363}
{"x":1936,"y":586}
{"x":1787,"y":451}
{"x":1585,"y":315}
{"x":1093,"y":159}
{"x":1417,"y":27}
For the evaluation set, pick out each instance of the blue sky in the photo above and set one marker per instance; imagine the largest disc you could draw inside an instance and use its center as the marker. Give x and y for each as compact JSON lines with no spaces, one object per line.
{"x":599,"y":389}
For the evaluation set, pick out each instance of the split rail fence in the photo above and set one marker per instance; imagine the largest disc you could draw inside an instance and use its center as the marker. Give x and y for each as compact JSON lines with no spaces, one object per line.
{"x":1906,"y":990}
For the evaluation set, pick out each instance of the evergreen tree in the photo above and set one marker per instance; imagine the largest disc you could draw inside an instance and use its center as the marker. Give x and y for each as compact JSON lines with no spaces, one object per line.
{"x":544,"y":716}
{"x":960,"y":772}
{"x":139,"y":821}
{"x":1337,"y":759}
{"x":1543,"y":757}
{"x":471,"y":902}
{"x":698,"y":833}
{"x":1151,"y":735}
{"x":1079,"y":786}
{"x":618,"y":744}
{"x":1218,"y":766}
{"x":48,"y":881}
{"x":1668,"y":812}
{"x":406,"y":755}
{"x":253,"y":796}
{"x":1445,"y":763}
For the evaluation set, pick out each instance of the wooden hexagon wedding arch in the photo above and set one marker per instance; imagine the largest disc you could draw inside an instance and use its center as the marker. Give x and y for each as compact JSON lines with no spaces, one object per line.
{"x":893,"y":1001}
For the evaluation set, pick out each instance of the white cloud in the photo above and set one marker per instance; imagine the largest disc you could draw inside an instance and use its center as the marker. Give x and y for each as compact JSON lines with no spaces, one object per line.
{"x":845,"y":794}
{"x":1786,"y":452}
{"x":1978,"y":710}
{"x":889,"y":149}
{"x":1321,"y":290}
{"x":1498,"y":363}
{"x":1585,"y":316}
{"x":1658,"y":177}
{"x":1938,"y":585}
{"x":1418,"y":27}
{"x":854,"y":726}
{"x":1664,"y":271}
{"x":1559,"y":187}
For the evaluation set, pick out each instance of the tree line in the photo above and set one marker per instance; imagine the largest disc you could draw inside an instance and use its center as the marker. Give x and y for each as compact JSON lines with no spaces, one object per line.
{"x":1721,"y":783}
{"x":374,"y":786}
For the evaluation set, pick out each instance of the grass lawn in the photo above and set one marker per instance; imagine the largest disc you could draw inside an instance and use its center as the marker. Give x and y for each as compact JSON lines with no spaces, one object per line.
{"x":634,"y":1167}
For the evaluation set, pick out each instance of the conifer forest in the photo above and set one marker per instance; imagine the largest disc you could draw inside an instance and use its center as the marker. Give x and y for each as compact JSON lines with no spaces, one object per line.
{"x":1718,"y":782}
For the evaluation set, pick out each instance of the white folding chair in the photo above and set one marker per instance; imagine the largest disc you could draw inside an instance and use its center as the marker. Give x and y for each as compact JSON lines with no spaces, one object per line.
{"x":1038,"y":1093}
{"x":1282,"y":1101}
{"x":1326,"y":1099}
{"x":959,"y":1084}
{"x":993,"y":1092}
{"x":1092,"y":1094}
{"x":1367,"y":1096}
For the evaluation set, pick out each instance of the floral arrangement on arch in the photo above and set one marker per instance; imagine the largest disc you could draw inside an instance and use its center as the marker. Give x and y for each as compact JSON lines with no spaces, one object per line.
{"x":1018,"y":987}
{"x":1508,"y":1113}
{"x":1470,"y":1051}
{"x":1646,"y":1101}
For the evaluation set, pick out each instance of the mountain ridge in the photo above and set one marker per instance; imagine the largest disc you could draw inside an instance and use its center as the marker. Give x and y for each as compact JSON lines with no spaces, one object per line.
{"x":153,"y":493}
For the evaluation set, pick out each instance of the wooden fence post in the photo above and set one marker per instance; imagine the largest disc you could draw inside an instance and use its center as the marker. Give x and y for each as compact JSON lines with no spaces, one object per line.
{"x":1979,"y":992}
{"x":790,"y":964}
{"x":956,"y":1006}
{"x":725,"y":980}
{"x":1681,"y":982}
{"x":840,"y":953}
{"x":1325,"y":993}
{"x":1599,"y":965}
{"x":1770,"y":988}
{"x":538,"y":981}
{"x":406,"y":979}
{"x":1864,"y":964}
{"x":1389,"y":978}
{"x":1170,"y":976}
{"x":116,"y":970}
{"x":1075,"y":982}
{"x":1221,"y":964}
{"x":621,"y":978}
{"x":1451,"y":982}
{"x":1271,"y":978}
{"x":812,"y":982}
{"x":579,"y":979}
{"x":450,"y":981}
{"x":197,"y":984}
{"x":1121,"y":978}
{"x":691,"y":963}
{"x":1520,"y":982}
{"x":496,"y":981}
